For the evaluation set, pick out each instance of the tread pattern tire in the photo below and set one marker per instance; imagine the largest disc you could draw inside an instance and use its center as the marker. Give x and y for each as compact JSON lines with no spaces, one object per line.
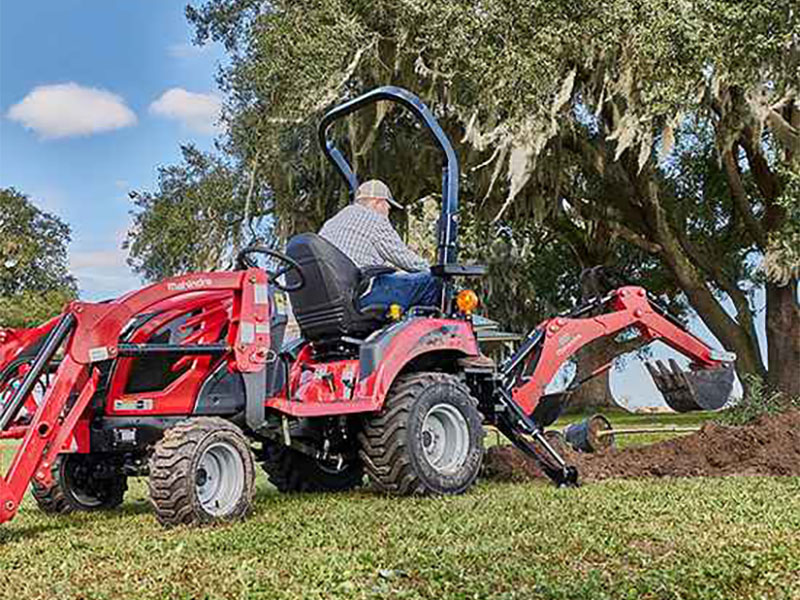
{"x":51,"y":500}
{"x":173,"y":471}
{"x":58,"y":499}
{"x":391,"y":446}
{"x":292,"y":471}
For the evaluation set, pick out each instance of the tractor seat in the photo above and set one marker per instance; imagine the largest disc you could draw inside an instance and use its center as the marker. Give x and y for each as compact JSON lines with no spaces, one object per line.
{"x":326,"y":307}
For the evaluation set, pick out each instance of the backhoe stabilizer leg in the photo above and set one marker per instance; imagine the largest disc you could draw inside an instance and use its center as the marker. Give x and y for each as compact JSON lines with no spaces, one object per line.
{"x":517,"y":427}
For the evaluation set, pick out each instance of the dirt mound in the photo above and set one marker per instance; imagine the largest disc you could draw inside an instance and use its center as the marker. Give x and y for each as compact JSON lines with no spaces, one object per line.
{"x":768,"y":446}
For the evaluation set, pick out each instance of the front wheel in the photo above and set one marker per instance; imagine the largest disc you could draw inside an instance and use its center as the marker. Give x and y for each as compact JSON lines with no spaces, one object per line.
{"x":81,"y":482}
{"x":428,"y":439}
{"x":202,"y":471}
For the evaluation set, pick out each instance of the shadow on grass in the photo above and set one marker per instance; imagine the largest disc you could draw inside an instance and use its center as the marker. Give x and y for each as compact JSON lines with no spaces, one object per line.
{"x":139,"y":507}
{"x":47,"y":523}
{"x":14,"y":533}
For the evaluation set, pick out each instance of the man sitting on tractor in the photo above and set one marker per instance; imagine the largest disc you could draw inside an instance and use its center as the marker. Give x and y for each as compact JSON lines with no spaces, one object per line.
{"x":364,"y":233}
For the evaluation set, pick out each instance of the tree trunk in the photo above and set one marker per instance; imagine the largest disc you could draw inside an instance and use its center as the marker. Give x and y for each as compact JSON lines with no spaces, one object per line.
{"x":595,"y":393}
{"x":689,"y":276}
{"x":783,"y":338}
{"x":733,"y":336}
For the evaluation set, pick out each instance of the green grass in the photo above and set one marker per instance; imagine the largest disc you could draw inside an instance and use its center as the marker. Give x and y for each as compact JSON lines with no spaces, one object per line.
{"x":684,"y":538}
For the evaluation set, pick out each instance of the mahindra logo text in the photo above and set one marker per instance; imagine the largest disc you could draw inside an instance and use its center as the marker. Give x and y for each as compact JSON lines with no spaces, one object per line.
{"x":188,"y":284}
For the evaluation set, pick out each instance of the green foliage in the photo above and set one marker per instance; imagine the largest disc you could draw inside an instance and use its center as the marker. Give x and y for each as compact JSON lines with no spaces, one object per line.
{"x":198,"y":217}
{"x":503,"y":61}
{"x":532,"y":274}
{"x":758,"y":400}
{"x":34,"y":278}
{"x":31,"y":308}
{"x":782,"y":260}
{"x":512,"y":76}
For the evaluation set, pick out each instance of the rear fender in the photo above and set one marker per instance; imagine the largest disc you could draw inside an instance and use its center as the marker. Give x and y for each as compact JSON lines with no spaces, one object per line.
{"x":384,"y":356}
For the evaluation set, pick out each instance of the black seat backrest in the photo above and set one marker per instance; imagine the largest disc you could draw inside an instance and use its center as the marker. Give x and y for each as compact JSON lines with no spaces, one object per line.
{"x":325,"y":308}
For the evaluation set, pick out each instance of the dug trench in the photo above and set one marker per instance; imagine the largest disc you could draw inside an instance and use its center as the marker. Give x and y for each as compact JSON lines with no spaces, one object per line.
{"x":768,"y":446}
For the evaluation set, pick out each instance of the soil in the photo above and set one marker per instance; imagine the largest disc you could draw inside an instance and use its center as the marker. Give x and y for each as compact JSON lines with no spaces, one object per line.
{"x":768,"y":446}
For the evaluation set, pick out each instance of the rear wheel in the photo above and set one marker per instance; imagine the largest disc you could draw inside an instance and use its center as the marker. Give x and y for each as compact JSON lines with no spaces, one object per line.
{"x":202,"y":471}
{"x":428,"y":439}
{"x":80,"y":483}
{"x":292,"y":471}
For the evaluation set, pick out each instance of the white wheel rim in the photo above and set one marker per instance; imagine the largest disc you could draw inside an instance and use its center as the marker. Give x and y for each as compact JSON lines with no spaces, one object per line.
{"x":85,"y":499}
{"x":445,"y":438}
{"x":219,"y":479}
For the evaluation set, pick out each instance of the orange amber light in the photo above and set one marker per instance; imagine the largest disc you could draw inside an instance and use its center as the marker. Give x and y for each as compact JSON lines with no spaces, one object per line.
{"x":467,"y":301}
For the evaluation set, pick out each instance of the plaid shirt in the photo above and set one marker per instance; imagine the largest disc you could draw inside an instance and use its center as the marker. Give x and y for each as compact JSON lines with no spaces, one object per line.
{"x":369,"y":239}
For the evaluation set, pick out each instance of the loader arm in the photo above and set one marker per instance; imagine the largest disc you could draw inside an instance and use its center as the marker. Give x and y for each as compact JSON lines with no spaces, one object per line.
{"x":89,"y":334}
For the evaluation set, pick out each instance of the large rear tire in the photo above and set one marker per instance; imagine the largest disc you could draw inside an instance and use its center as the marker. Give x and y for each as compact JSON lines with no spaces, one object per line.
{"x":292,"y":471}
{"x":201,"y":472}
{"x":80,"y":483}
{"x":428,"y":439}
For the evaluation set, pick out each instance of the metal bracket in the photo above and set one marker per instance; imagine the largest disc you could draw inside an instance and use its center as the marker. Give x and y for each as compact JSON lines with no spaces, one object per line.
{"x":255,"y":389}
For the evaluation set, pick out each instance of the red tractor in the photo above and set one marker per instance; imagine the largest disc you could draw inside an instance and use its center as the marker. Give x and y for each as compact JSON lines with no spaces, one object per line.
{"x":189,"y":383}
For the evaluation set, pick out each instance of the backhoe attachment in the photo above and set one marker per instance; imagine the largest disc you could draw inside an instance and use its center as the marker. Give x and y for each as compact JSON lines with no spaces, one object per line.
{"x":527,"y":373}
{"x":524,"y":408}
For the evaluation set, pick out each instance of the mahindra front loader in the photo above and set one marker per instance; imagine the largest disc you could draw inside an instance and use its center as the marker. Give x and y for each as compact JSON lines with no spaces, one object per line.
{"x":189,"y":382}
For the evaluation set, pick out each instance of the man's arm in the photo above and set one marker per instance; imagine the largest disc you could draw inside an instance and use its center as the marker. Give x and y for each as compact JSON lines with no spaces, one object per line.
{"x":393,"y":250}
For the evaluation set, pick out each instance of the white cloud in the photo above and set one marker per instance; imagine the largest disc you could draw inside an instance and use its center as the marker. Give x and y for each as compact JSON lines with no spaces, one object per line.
{"x":102,"y":273}
{"x":100,"y":259}
{"x":68,"y":109}
{"x":102,"y":269}
{"x":197,"y":112}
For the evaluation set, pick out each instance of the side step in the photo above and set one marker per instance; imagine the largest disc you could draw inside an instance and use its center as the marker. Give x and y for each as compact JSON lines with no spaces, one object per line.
{"x":686,"y":391}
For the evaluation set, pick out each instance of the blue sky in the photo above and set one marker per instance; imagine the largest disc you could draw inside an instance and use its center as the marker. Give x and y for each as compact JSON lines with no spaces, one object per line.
{"x":136,"y":50}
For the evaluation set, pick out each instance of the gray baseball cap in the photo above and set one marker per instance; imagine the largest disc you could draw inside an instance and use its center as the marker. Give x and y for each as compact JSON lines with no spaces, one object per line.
{"x":375,"y":189}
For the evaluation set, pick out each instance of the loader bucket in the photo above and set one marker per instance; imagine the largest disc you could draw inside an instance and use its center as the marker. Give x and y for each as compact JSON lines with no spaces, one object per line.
{"x":686,"y":391}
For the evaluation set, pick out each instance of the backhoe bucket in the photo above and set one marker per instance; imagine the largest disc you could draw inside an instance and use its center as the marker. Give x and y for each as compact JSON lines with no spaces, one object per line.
{"x":686,"y":391}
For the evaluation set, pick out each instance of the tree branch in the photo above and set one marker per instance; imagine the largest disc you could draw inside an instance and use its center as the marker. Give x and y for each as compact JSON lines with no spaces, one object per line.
{"x":725,"y":283}
{"x":634,"y":238}
{"x":690,"y":279}
{"x":739,"y":194}
{"x":765,"y":179}
{"x":619,"y":189}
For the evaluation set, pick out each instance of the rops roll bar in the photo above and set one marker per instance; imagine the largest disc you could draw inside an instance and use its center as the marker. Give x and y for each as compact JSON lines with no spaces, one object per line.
{"x":447,"y":249}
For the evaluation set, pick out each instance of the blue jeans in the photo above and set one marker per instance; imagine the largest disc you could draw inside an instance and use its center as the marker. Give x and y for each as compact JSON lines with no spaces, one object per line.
{"x":405,"y":289}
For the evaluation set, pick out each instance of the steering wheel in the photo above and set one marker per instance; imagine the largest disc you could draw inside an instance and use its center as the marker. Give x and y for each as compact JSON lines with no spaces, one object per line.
{"x":243,"y":261}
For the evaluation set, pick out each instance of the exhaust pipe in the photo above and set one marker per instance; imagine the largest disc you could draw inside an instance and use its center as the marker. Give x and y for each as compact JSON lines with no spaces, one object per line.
{"x":686,"y":391}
